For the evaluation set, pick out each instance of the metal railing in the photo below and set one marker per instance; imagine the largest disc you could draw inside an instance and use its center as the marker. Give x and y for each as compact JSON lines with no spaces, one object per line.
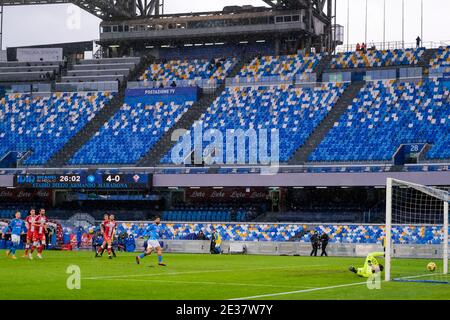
{"x":111,"y":86}
{"x":392,"y":45}
{"x":266,"y":80}
{"x":202,"y":83}
{"x":250,"y":169}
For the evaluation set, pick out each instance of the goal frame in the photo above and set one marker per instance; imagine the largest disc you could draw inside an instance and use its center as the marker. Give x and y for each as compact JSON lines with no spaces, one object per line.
{"x":388,"y":227}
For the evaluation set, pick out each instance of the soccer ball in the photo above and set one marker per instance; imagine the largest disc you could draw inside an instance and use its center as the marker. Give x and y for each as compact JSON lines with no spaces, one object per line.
{"x":431,"y":266}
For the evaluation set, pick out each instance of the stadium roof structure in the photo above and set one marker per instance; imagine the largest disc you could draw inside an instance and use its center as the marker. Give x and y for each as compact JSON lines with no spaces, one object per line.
{"x":120,"y":9}
{"x":121,"y":21}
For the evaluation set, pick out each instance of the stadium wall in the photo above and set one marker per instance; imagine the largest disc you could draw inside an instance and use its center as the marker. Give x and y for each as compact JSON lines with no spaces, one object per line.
{"x":301,"y":249}
{"x":298,"y":179}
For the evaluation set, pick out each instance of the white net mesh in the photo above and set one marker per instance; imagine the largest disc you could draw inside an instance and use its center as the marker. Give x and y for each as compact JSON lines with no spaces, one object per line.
{"x":417,"y":232}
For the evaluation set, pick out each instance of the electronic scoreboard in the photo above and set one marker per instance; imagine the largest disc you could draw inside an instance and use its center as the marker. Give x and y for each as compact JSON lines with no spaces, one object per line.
{"x":83,"y":181}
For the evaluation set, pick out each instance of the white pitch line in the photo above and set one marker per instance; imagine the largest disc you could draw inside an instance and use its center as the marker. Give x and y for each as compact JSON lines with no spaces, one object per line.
{"x":193,"y":272}
{"x":420,"y":276}
{"x":300,"y":291}
{"x":210,"y":283}
{"x":321,"y":288}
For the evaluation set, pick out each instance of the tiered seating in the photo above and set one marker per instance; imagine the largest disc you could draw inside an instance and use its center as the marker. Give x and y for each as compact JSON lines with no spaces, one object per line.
{"x":212,"y":51}
{"x":385,"y":115}
{"x":219,"y":212}
{"x":285,"y":67}
{"x":29,"y":71}
{"x":337,"y":217}
{"x":44,"y":124}
{"x":377,"y":58}
{"x":294,"y":111}
{"x":188,"y":72}
{"x":131,"y":133}
{"x":441,"y":61}
{"x":197,"y":215}
{"x":98,"y":73}
{"x":367,"y":234}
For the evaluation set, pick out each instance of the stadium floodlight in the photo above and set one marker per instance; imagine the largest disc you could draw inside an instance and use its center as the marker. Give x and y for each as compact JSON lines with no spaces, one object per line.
{"x":416,"y":223}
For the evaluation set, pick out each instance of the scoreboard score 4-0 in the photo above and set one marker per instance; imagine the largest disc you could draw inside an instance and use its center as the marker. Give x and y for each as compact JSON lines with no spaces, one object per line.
{"x":83,"y":181}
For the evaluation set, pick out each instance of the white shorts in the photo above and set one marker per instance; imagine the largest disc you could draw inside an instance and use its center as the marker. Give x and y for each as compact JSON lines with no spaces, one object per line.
{"x":153,"y":244}
{"x":15,"y":239}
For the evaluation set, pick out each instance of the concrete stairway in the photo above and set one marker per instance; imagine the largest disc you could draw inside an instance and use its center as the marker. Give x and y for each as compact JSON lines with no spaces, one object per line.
{"x":63,"y":156}
{"x":426,"y":57}
{"x":302,"y":154}
{"x":323,"y":65}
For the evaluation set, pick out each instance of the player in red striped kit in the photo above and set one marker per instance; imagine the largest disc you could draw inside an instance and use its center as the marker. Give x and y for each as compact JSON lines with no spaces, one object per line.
{"x":30,"y":223}
{"x":101,"y":249}
{"x":108,"y":229}
{"x":39,"y":234}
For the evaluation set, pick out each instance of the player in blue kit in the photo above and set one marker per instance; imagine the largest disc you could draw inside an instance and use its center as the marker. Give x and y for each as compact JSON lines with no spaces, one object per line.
{"x":152,"y":244}
{"x":17,"y":228}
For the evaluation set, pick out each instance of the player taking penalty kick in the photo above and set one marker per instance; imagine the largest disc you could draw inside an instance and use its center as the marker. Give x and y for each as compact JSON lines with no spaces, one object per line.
{"x":153,"y":232}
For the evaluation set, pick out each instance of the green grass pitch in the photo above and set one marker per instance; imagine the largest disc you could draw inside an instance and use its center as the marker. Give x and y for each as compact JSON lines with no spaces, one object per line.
{"x":203,"y":277}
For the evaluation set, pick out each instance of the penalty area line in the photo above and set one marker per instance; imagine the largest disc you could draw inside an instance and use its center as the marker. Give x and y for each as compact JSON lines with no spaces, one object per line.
{"x":323,"y":288}
{"x":300,"y":291}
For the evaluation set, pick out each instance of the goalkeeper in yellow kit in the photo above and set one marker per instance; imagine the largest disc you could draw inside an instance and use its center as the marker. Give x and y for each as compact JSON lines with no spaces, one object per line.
{"x":371,"y":265}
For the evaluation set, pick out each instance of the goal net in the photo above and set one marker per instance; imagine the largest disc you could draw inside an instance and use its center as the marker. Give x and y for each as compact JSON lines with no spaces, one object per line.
{"x":416,"y":233}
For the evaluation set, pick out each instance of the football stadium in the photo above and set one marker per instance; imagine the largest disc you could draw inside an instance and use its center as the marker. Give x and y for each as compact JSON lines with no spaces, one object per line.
{"x":249,"y":153}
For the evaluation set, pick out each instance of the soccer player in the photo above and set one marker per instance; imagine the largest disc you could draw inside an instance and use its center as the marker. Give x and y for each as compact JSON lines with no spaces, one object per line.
{"x":113,"y":219}
{"x":30,"y":223}
{"x":101,"y":249}
{"x":154,"y":232}
{"x":17,"y":228}
{"x":108,"y":230}
{"x":39,"y":234}
{"x":371,"y":265}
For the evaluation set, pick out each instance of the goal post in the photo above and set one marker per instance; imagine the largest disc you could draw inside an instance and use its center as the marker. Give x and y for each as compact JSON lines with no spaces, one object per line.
{"x":416,"y":227}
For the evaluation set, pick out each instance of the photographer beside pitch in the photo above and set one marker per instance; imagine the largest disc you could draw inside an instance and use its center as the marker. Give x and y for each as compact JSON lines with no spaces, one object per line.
{"x":324,"y":238}
{"x":315,"y":242}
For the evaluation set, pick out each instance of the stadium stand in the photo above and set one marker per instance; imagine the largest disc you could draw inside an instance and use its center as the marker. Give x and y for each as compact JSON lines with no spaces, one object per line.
{"x":211,"y":212}
{"x":295,"y":111}
{"x":98,"y":73}
{"x":43,"y":125}
{"x":386,"y":114}
{"x":212,"y":51}
{"x":188,"y":72}
{"x":367,"y":234}
{"x":132,"y":132}
{"x":376,"y":58}
{"x":284,"y":67}
{"x":15,"y":71}
{"x":66,"y":153}
{"x":440,"y":63}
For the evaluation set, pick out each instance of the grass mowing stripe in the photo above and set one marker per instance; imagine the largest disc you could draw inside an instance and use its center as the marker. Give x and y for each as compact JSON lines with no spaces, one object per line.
{"x":195,"y":272}
{"x":300,"y":291}
{"x":210,"y":283}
